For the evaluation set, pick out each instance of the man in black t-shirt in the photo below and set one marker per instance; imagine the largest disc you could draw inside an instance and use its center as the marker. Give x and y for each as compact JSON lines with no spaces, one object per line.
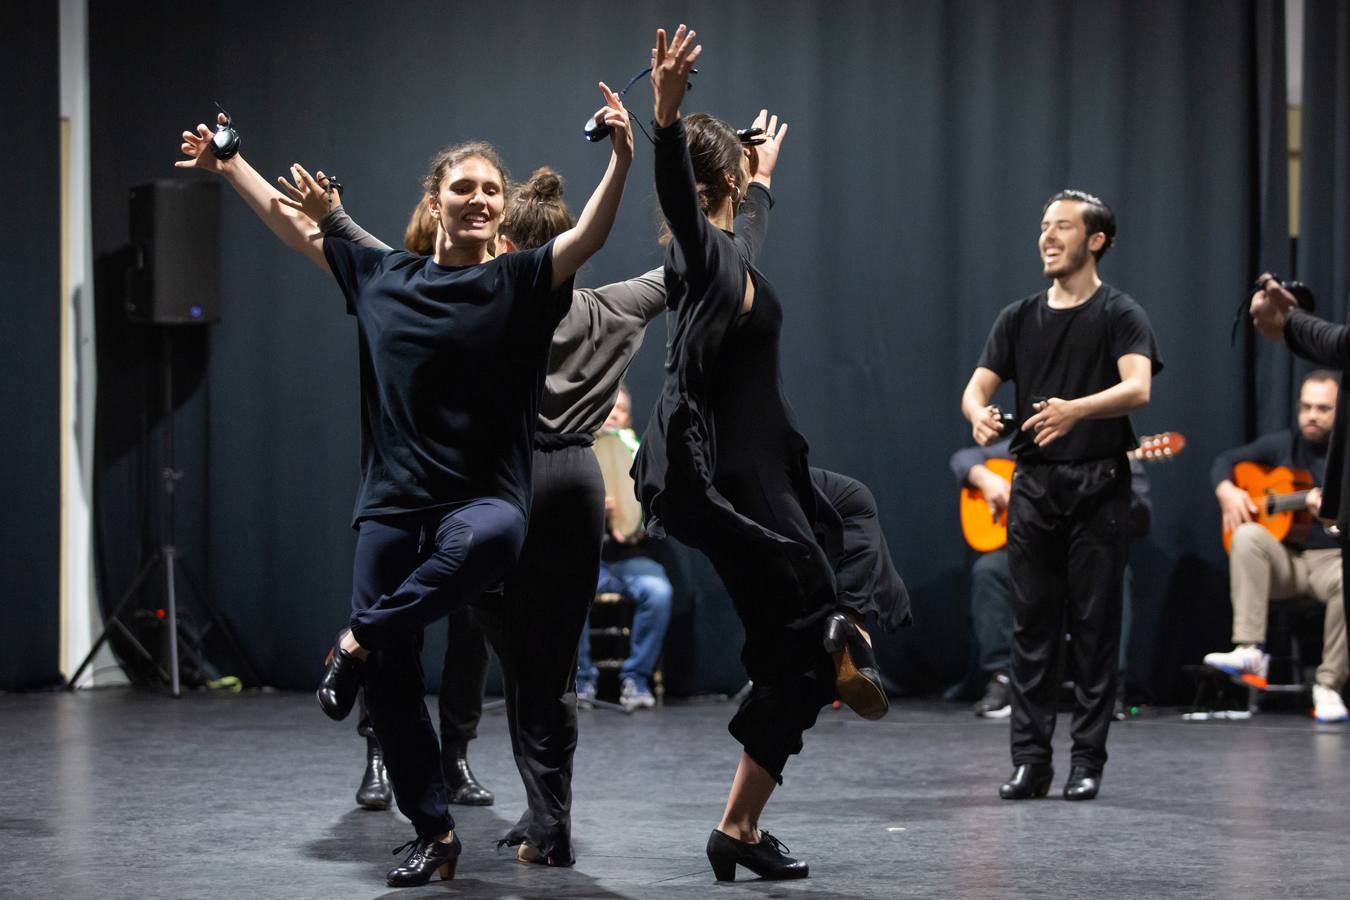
{"x":1308,"y":561}
{"x":1082,"y":356}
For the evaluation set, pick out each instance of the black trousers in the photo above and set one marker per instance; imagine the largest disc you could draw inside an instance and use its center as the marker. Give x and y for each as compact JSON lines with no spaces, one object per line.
{"x":535,"y":630}
{"x":1067,"y":545}
{"x":463,"y":678}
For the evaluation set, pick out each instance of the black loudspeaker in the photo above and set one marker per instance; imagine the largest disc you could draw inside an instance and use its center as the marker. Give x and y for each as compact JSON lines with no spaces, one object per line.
{"x":175,"y":230}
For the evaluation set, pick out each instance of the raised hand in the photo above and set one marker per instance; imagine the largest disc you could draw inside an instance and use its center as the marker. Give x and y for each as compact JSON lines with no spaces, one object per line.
{"x":670,"y":72}
{"x":615,"y":116}
{"x":196,"y":147}
{"x":1270,"y":307}
{"x":764,"y":157}
{"x":311,"y":195}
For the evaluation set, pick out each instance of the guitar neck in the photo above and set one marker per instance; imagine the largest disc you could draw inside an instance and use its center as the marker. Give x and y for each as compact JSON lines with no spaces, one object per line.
{"x":1279,"y":503}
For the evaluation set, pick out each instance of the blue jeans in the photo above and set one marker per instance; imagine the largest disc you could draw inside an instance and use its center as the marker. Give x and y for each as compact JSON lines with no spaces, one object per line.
{"x":642,"y":580}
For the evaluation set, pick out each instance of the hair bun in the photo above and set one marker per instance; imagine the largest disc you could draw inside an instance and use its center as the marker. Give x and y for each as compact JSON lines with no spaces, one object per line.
{"x":544,"y":186}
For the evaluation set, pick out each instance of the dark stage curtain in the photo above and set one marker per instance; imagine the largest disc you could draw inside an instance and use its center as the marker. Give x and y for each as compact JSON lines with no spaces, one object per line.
{"x":30,"y":347}
{"x":924,"y":139}
{"x":1324,"y":201}
{"x":1271,"y":387}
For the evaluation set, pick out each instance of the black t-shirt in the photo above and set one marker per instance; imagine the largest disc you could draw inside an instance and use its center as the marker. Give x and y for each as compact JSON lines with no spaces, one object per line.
{"x":452,"y":366}
{"x":1069,"y":353}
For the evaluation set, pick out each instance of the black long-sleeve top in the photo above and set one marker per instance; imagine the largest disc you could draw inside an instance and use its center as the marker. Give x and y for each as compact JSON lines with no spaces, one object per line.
{"x":722,"y":427}
{"x":1328,"y":344}
{"x":705,"y":276}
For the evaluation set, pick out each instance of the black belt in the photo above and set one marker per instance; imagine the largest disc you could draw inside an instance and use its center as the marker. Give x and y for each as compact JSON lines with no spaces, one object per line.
{"x":554,"y":441}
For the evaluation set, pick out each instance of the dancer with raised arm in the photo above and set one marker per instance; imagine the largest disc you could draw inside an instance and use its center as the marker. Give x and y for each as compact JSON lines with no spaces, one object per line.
{"x":724,"y":468}
{"x":551,"y":590}
{"x":453,"y":350}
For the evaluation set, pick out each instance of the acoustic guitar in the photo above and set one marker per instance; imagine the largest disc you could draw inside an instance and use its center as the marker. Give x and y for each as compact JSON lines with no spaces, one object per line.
{"x":1280,"y":495}
{"x":616,"y":459}
{"x":985,"y":531}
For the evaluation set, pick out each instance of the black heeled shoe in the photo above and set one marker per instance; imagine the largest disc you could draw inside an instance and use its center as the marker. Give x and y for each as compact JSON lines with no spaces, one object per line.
{"x":461,"y":785}
{"x":768,"y":858}
{"x":1028,"y":781}
{"x":341,"y":679}
{"x":375,"y":791}
{"x":1083,"y":783}
{"x":857,"y":677}
{"x":428,"y":857}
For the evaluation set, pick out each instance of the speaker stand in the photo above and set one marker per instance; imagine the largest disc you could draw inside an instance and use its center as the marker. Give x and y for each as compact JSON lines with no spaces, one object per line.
{"x":164,"y":560}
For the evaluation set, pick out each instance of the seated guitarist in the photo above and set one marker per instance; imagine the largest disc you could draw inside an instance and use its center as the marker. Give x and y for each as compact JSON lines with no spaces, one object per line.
{"x":991,"y":588}
{"x":1261,"y":568}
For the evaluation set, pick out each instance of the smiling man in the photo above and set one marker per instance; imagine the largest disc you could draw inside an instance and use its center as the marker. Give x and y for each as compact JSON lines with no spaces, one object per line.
{"x":1082,"y":356}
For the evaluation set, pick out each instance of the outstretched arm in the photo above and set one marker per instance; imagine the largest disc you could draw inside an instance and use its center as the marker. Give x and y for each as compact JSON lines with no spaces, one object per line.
{"x":577,"y":244}
{"x":316,"y":197}
{"x":676,"y":188}
{"x":293,"y":227}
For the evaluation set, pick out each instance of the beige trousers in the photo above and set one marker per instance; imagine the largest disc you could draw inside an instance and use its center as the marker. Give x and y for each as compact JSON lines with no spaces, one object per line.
{"x":1262,"y":569}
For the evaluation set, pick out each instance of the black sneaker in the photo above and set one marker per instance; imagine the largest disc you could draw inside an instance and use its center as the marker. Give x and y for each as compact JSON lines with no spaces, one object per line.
{"x":997,"y":700}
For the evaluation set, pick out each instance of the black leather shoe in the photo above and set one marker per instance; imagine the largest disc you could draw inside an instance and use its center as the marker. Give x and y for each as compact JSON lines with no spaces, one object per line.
{"x":428,"y":857}
{"x":768,"y":858}
{"x":341,"y":679}
{"x":857,"y":677}
{"x":1027,"y":781}
{"x":463,"y":788}
{"x":1083,"y":783}
{"x":375,"y":791}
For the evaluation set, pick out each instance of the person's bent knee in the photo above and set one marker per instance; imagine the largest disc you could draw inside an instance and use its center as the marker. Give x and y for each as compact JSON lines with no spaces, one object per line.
{"x":654,"y":592}
{"x":1248,"y":538}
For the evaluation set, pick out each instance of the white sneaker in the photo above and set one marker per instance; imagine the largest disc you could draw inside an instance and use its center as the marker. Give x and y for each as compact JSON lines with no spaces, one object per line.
{"x":632,"y":697}
{"x":1328,"y":705}
{"x":1249,"y":663}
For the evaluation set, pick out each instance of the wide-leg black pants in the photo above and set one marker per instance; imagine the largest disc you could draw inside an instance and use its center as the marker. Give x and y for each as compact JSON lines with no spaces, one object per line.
{"x":535,"y":630}
{"x":1067,"y":546}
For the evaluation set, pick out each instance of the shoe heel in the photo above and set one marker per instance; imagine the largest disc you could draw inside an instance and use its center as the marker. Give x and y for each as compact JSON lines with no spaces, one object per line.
{"x":835,"y":639}
{"x":723,"y":869}
{"x":1042,"y":789}
{"x":447,"y":871}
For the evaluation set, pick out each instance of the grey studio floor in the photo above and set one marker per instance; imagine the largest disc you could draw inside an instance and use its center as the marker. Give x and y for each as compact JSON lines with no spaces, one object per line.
{"x":121,"y":793}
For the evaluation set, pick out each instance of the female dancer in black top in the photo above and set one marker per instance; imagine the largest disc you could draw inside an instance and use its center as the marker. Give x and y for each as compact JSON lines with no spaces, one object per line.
{"x":453,"y":351}
{"x":549,"y":593}
{"x":723,"y":467}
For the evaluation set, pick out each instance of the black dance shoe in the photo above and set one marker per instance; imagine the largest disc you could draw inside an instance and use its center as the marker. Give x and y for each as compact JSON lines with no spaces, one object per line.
{"x":375,"y":791}
{"x":462,"y":787}
{"x":1083,"y":783}
{"x":341,"y":679}
{"x":857,"y":677}
{"x":1027,"y":781}
{"x":768,"y":859}
{"x":428,"y":857}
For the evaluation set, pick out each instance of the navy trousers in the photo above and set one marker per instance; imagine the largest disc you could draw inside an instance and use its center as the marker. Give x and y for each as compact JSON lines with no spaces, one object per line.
{"x":410,"y":570}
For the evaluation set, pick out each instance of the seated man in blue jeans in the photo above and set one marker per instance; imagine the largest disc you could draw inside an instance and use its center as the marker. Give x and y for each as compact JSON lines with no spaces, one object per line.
{"x":625,"y":568}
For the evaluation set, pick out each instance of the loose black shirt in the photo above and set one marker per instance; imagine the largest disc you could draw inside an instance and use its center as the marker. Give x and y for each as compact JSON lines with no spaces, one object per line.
{"x":1069,"y":353}
{"x":452,"y":366}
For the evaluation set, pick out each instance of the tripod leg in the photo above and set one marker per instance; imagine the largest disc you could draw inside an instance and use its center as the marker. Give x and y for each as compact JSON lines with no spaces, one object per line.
{"x":126,"y":598}
{"x":169,"y":554}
